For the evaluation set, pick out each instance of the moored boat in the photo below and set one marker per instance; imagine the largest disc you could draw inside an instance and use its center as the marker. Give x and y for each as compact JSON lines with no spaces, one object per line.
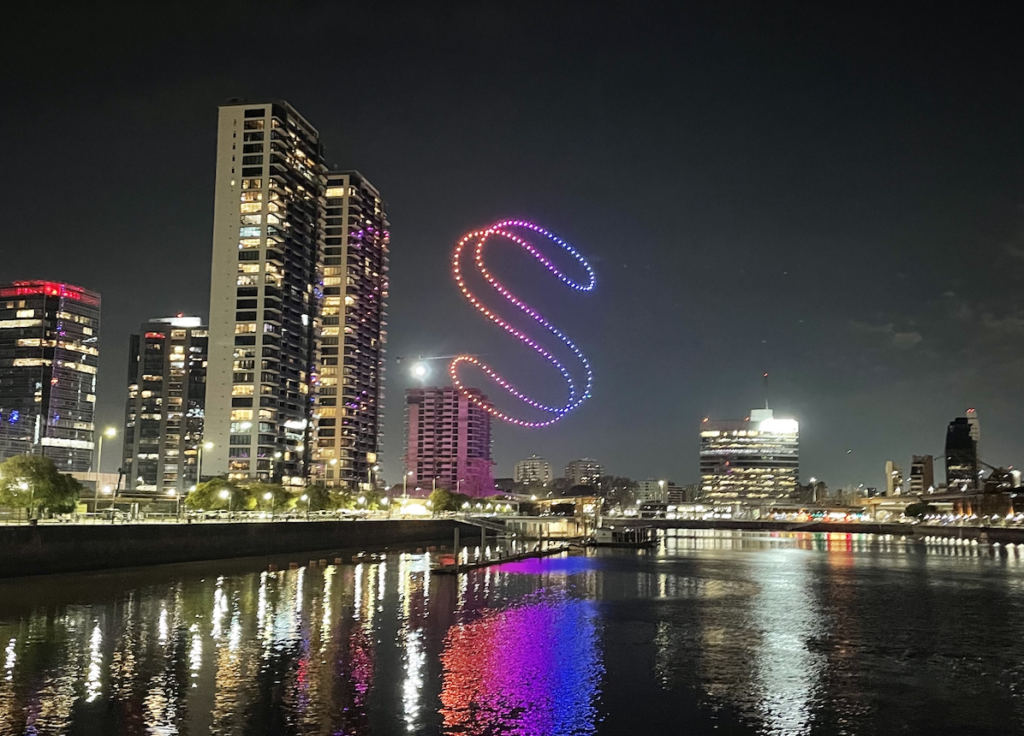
{"x":624,"y":536}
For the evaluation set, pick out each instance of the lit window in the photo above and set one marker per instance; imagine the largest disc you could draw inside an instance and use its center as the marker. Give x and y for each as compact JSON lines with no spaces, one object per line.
{"x":244,"y":328}
{"x":335,"y":191}
{"x":248,"y":207}
{"x":22,"y":313}
{"x":242,"y":390}
{"x":11,"y":323}
{"x":242,"y":415}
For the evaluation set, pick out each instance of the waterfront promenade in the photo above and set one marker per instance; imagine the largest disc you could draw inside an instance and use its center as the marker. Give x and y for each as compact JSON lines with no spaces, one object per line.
{"x":64,"y":548}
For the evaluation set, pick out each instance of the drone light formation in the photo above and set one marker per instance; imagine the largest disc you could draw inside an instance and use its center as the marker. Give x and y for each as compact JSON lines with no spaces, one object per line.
{"x":507,"y":229}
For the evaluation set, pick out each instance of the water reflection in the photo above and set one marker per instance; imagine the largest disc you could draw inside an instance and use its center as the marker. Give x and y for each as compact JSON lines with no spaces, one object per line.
{"x":773,"y":633}
{"x":532,"y":669}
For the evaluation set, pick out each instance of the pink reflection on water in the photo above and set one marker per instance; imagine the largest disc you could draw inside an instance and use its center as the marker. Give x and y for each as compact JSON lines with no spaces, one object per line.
{"x":532,"y":670}
{"x":547,"y":565}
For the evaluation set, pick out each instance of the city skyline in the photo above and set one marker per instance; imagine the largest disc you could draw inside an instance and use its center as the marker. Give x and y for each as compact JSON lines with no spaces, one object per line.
{"x":842,"y":238}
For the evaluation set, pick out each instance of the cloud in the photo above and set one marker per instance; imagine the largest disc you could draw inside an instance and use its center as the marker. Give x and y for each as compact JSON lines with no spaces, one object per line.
{"x":1010,"y":324}
{"x":1013,"y":250}
{"x":906,"y":340}
{"x":893,"y":337}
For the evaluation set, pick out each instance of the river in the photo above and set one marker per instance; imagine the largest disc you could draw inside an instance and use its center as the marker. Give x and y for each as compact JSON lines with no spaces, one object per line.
{"x":712,"y":633}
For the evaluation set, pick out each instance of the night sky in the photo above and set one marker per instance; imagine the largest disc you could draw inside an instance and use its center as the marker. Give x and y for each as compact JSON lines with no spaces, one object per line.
{"x":837,"y":199}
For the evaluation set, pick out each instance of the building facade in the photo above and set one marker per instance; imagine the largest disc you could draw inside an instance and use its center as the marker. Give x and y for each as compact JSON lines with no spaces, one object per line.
{"x":49,"y":352}
{"x":922,"y":474}
{"x":893,"y":479}
{"x":448,"y":441}
{"x":265,"y":293}
{"x":163,"y":423}
{"x":350,"y":401}
{"x":533,"y":470}
{"x":584,"y":472}
{"x":652,"y":491}
{"x":757,"y":458}
{"x":962,"y":455}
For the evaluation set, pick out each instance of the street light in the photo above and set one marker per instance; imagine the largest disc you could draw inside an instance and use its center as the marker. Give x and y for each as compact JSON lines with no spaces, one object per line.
{"x":199,"y":466}
{"x":305,"y":497}
{"x":23,"y":485}
{"x":110,"y":432}
{"x":268,"y":496}
{"x":227,"y":495}
{"x":404,"y":479}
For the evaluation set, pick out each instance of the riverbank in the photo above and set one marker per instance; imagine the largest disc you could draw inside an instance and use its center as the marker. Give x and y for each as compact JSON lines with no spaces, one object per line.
{"x":44,"y":550}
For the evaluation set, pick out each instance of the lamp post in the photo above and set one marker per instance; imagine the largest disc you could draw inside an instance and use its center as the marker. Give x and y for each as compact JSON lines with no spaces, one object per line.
{"x":177,"y":502}
{"x":110,"y":432}
{"x":23,"y":485}
{"x":268,"y":496}
{"x":273,"y":467}
{"x":199,"y":465}
{"x":226,"y":494}
{"x":305,"y":497}
{"x":404,"y":488}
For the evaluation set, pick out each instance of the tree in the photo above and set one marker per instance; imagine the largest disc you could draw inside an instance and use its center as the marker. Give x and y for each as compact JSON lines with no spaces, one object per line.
{"x":321,"y":498}
{"x":33,"y":482}
{"x":218,"y":493}
{"x":444,"y":500}
{"x":280,"y":499}
{"x":919,"y":509}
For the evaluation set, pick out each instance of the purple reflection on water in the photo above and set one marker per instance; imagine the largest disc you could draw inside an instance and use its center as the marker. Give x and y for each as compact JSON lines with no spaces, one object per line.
{"x":531,"y":670}
{"x":546,"y":565}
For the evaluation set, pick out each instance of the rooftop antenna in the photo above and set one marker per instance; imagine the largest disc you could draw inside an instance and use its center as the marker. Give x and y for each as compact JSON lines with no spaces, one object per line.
{"x":765,"y":390}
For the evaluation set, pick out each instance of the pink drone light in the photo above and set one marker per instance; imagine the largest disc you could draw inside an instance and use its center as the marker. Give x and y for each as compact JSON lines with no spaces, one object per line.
{"x":503,"y":229}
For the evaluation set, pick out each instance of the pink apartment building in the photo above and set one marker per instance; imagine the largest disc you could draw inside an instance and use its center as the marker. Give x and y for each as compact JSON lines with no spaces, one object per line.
{"x":448,"y":442}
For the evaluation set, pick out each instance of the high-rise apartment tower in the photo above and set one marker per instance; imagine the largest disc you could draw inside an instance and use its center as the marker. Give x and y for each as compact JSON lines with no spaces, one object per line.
{"x":584,"y":472}
{"x":351,"y":377}
{"x":533,"y":470}
{"x":265,"y":292}
{"x":49,"y":334}
{"x":448,"y":441}
{"x":163,"y":423}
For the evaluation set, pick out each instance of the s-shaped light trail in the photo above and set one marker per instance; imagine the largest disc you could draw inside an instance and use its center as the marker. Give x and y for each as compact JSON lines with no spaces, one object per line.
{"x":507,"y":229}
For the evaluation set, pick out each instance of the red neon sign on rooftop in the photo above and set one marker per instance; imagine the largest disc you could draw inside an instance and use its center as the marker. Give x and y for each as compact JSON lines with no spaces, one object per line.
{"x":49,"y":288}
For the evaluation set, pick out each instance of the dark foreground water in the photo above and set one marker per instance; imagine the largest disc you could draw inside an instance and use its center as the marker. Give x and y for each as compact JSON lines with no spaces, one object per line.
{"x":726,"y":633}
